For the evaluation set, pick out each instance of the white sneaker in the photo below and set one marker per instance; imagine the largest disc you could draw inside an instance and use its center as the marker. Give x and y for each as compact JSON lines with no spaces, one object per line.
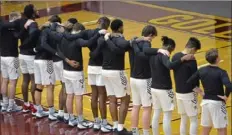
{"x":96,"y":126}
{"x":52,"y":117}
{"x":72,"y":122}
{"x":106,"y":128}
{"x":14,"y":108}
{"x":41,"y":114}
{"x":84,"y":125}
{"x":4,"y":108}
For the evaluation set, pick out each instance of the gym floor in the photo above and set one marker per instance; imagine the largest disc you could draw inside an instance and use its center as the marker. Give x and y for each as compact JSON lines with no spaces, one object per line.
{"x":212,"y":28}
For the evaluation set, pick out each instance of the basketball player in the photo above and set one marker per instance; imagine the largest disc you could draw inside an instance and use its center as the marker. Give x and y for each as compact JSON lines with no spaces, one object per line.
{"x":95,"y":77}
{"x":44,"y":71}
{"x":140,"y":80}
{"x":213,"y":78}
{"x":186,"y":97}
{"x":26,"y":56}
{"x":115,"y":80}
{"x":9,"y":65}
{"x":74,"y":77}
{"x":161,"y":87}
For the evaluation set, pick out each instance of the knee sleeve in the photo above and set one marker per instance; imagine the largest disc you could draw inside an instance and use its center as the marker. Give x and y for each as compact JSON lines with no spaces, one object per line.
{"x":39,"y":90}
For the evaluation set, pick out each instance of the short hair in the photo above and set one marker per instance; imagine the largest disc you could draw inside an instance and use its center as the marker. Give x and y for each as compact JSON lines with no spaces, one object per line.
{"x":116,"y":24}
{"x":193,"y":43}
{"x":68,"y":25}
{"x":104,"y":22}
{"x":168,"y":42}
{"x":14,"y":15}
{"x":54,"y":18}
{"x":149,"y":30}
{"x":29,"y":11}
{"x":72,"y":20}
{"x":78,"y":26}
{"x":211,"y":55}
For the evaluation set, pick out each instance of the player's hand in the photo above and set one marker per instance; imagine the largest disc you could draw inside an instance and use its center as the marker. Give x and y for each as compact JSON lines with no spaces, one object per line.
{"x":28,"y":23}
{"x":102,"y":31}
{"x":188,"y":57}
{"x":107,"y":36}
{"x":223,"y":97}
{"x":199,"y":91}
{"x":73,"y":63}
{"x":164,"y":52}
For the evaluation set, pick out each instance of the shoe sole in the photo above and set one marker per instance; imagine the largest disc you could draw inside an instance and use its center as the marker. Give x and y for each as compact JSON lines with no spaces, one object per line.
{"x":96,"y":129}
{"x":52,"y":119}
{"x":26,"y":111}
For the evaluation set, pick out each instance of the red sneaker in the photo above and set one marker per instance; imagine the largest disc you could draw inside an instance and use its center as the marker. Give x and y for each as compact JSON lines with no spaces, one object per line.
{"x":26,"y":108}
{"x":33,"y":110}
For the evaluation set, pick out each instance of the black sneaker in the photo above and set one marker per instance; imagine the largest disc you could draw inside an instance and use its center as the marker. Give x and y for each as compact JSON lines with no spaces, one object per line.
{"x":124,"y":132}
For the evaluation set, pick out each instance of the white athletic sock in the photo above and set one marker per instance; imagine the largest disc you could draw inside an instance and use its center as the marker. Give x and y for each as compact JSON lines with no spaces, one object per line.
{"x":115,"y":125}
{"x":51,"y":110}
{"x":167,"y":123}
{"x":104,"y":122}
{"x":61,"y":113}
{"x":97,"y":120}
{"x":146,"y":132}
{"x":66,"y":116}
{"x":80,"y":118}
{"x":193,"y":125}
{"x":39,"y":108}
{"x":71,"y":117}
{"x":183,"y":124}
{"x":11,"y":102}
{"x":120,"y":127}
{"x":5,"y":100}
{"x":26,"y":103}
{"x":155,"y":121}
{"x":135,"y":131}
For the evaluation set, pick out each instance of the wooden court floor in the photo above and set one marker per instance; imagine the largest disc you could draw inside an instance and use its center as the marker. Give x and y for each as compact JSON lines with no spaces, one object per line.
{"x":133,"y":27}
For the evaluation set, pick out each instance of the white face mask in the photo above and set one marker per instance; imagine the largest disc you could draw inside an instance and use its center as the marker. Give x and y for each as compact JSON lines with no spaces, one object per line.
{"x":75,"y":32}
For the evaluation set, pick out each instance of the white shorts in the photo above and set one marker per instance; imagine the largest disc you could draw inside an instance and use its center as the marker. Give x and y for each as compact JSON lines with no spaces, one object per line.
{"x":214,"y":114}
{"x":26,"y":63}
{"x":141,"y":91}
{"x":163,"y":99}
{"x":187,"y":104}
{"x":74,"y":82}
{"x":95,"y":76}
{"x":116,"y":83}
{"x":58,"y":69}
{"x":10,"y":68}
{"x":44,"y":72}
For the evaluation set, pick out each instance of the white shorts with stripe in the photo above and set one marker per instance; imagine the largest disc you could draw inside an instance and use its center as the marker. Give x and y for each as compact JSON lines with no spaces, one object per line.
{"x":95,"y":76}
{"x":26,"y":63}
{"x":141,"y":91}
{"x":163,"y":99}
{"x":187,"y":104}
{"x":58,"y":69}
{"x":214,"y":114}
{"x":10,"y":68}
{"x":44,"y":72}
{"x":116,"y":83}
{"x":74,"y":82}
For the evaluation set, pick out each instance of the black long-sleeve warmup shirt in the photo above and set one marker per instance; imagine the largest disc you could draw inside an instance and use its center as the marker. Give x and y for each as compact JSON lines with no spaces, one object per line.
{"x":182,"y":73}
{"x":213,"y":79}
